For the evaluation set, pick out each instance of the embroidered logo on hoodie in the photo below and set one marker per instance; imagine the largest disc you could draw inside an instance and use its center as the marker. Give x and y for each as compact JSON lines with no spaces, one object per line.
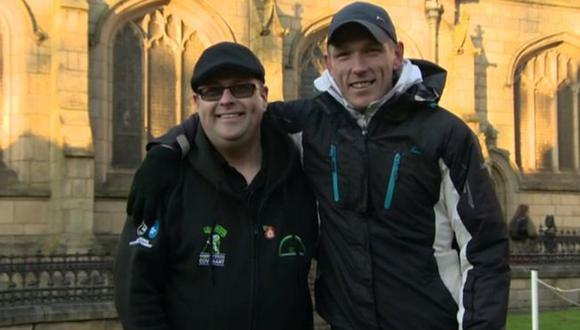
{"x":142,"y":229}
{"x":146,"y":234}
{"x":291,"y":245}
{"x":212,"y":248}
{"x":269,"y":232}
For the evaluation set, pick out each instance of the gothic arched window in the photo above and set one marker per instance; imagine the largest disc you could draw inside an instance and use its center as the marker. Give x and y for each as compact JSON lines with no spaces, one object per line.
{"x":153,"y":56}
{"x":1,"y":98}
{"x":547,"y":113}
{"x":191,"y":53}
{"x":161,"y":83}
{"x":312,"y":65}
{"x":127,"y":97}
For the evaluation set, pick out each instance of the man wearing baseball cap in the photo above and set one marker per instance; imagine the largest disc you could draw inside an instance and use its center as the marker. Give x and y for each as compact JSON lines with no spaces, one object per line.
{"x":231,"y":249}
{"x":412,"y":235}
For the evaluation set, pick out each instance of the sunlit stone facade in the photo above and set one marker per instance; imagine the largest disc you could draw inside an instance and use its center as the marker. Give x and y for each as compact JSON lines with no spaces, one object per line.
{"x":85,"y":83}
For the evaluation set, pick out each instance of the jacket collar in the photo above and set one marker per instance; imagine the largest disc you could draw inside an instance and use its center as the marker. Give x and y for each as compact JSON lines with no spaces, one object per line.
{"x":423,"y":79}
{"x":410,"y":75}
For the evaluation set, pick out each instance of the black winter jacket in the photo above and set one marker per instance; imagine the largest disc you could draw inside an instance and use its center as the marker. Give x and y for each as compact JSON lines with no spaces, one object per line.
{"x":411,"y":235}
{"x":251,"y":273}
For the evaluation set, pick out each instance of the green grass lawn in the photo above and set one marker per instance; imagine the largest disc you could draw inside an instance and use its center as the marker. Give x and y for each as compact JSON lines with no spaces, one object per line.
{"x":560,"y":320}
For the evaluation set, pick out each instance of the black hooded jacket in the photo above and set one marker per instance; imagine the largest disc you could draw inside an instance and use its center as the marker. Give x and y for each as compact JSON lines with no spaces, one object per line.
{"x":411,"y":232}
{"x":221,"y":257}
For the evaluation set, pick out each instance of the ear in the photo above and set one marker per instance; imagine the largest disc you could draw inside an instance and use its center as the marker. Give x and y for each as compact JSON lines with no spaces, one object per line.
{"x":264,"y":94}
{"x":399,"y":54}
{"x":193,"y":104}
{"x":328,"y":62}
{"x":196,"y":99}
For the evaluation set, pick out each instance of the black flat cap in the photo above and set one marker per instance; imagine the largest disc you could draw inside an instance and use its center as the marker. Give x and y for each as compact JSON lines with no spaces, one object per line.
{"x":374,"y":18}
{"x":226,"y":56}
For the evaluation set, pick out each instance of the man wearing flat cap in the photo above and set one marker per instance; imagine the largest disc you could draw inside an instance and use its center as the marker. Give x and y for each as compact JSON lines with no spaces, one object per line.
{"x":232,"y":247}
{"x":411,"y":232}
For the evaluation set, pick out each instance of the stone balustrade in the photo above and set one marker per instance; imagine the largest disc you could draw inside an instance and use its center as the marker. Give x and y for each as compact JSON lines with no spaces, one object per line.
{"x":38,"y":287}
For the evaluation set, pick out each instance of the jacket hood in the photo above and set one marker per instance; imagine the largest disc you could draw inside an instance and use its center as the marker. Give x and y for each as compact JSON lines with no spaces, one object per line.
{"x":414,"y":72}
{"x":434,"y":78}
{"x":282,"y":157}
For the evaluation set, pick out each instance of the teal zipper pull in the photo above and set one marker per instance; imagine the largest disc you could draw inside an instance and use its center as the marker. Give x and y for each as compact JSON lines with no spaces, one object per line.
{"x":392,"y":181}
{"x":335,"y":192}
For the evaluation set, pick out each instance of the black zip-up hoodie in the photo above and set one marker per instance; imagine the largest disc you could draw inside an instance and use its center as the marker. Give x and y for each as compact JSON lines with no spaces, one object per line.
{"x":251,"y":273}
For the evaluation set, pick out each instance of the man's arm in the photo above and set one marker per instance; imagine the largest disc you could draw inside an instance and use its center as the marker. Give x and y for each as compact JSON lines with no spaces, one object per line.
{"x":140,"y":276}
{"x":158,"y":171}
{"x":155,"y":175}
{"x":179,"y":137}
{"x":480,"y":231}
{"x":291,"y":115}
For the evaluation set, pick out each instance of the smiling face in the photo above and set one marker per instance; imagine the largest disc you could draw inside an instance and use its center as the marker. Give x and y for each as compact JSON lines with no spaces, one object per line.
{"x":231,"y":121}
{"x":362,"y":67}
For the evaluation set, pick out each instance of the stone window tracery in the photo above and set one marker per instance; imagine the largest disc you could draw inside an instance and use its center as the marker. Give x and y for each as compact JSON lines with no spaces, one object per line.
{"x":312,"y":65}
{"x":547,"y":111}
{"x":153,"y":56}
{"x":127,"y":97}
{"x":1,"y":99}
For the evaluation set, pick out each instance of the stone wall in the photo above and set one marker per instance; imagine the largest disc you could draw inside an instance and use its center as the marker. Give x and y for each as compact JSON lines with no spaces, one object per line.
{"x":74,"y":325}
{"x":91,"y":316}
{"x":56,"y":132}
{"x":556,"y":276}
{"x":103,"y":316}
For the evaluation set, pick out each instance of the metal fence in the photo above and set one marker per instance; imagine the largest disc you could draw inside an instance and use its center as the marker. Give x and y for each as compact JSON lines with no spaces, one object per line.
{"x":39,"y":279}
{"x":85,"y":279}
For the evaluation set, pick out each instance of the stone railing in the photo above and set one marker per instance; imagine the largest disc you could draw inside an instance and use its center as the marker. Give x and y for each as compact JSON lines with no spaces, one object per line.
{"x":61,"y":288}
{"x":53,"y":282}
{"x":563,"y":241}
{"x":543,"y":259}
{"x":555,"y":254}
{"x":556,"y":257}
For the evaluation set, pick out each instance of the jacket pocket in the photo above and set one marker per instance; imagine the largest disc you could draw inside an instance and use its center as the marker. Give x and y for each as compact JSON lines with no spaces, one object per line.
{"x":334,"y":165}
{"x":392,"y":183}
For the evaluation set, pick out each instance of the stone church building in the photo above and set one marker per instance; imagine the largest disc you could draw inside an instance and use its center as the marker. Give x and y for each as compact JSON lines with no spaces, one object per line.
{"x":85,"y":83}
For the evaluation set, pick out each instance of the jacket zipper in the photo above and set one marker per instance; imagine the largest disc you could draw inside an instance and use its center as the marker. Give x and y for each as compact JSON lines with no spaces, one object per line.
{"x":255,"y":225}
{"x":254,"y":273}
{"x":392,"y":181}
{"x":254,"y":261}
{"x":335,"y":191}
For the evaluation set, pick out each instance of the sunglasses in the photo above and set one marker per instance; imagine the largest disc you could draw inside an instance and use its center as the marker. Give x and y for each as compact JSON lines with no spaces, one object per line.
{"x":214,"y":93}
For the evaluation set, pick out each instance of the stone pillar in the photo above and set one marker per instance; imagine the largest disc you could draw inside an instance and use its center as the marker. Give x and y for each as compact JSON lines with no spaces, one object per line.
{"x":460,"y":95}
{"x":73,"y":158}
{"x":433,"y":12}
{"x":554,"y":129}
{"x":268,"y":45}
{"x":460,"y":88}
{"x":575,"y":126}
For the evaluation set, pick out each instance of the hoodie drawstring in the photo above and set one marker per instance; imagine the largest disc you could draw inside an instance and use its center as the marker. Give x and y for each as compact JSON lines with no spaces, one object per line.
{"x":213,"y":226}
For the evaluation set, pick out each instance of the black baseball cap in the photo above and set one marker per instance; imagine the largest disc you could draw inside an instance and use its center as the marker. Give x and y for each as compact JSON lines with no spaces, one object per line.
{"x":374,"y":18}
{"x":226,"y":56}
